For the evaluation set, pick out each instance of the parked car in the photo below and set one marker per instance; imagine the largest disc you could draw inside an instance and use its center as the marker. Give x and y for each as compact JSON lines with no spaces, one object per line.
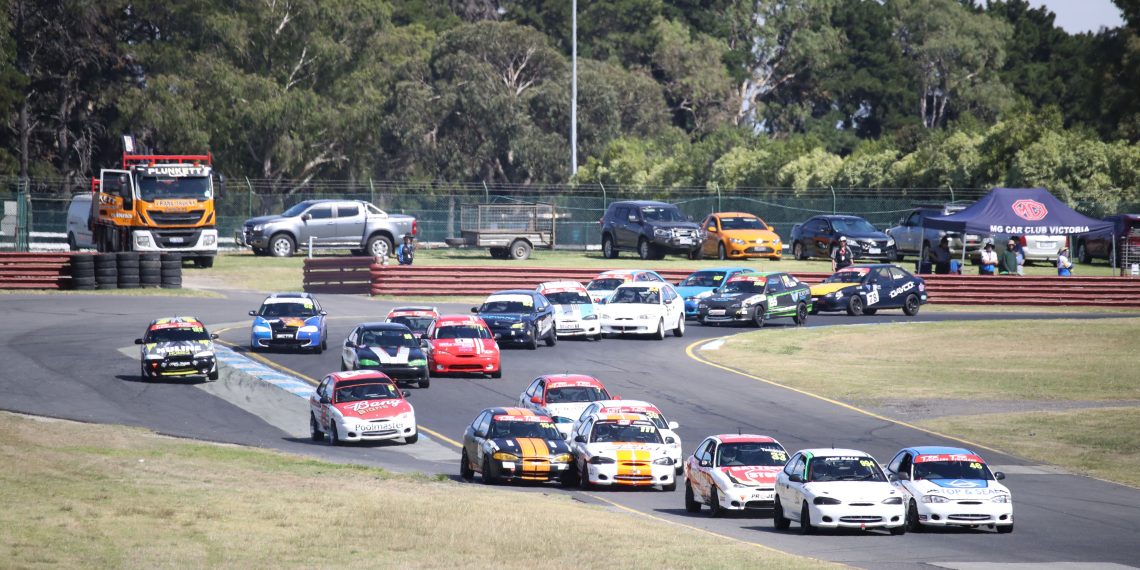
{"x":912,"y":236}
{"x":339,"y":224}
{"x":652,"y":229}
{"x":1098,"y":245}
{"x":1036,"y":247}
{"x":738,"y":235}
{"x":819,"y":236}
{"x":78,"y":222}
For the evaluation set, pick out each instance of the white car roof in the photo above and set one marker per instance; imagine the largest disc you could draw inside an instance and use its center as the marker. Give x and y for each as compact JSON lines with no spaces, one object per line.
{"x":836,"y":452}
{"x":573,"y":285}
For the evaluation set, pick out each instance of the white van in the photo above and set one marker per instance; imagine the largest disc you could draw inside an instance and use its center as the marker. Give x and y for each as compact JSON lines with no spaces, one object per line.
{"x":78,"y":231}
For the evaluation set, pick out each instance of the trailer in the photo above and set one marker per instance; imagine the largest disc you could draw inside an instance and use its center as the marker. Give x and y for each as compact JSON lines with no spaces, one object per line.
{"x":510,"y":231}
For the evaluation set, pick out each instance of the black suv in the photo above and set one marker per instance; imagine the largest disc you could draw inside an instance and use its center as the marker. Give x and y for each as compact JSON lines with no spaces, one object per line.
{"x":819,"y":236}
{"x":652,"y":229}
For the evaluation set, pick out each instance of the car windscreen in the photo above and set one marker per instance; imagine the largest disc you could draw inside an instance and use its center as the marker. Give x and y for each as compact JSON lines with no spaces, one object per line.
{"x":296,"y":210}
{"x":414,"y":323}
{"x":704,"y":279}
{"x":568,"y":298}
{"x":744,"y":287}
{"x":179,"y":334}
{"x":660,"y":214}
{"x":743,"y":224}
{"x":358,"y":392}
{"x":541,"y":430}
{"x":157,"y":188}
{"x":846,"y":277}
{"x":636,"y":295}
{"x":500,"y":306}
{"x":387,"y":338}
{"x":750,"y":453}
{"x":615,"y":432}
{"x":853,"y":226}
{"x":844,"y":469}
{"x":462,"y":331}
{"x":299,"y":309}
{"x":951,"y":470}
{"x":569,"y":394}
{"x":607,"y":284}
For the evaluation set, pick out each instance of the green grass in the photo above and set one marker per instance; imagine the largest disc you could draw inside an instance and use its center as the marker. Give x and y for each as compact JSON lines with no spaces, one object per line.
{"x":95,"y":496}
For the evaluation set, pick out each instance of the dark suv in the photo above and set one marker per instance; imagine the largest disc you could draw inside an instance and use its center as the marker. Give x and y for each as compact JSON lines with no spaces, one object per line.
{"x":819,"y":236}
{"x":652,"y":229}
{"x":1098,"y":245}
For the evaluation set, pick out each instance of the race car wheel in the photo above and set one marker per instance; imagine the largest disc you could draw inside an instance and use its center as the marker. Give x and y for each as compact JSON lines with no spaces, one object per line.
{"x":912,"y":523}
{"x":778,"y":519}
{"x":598,"y":336}
{"x":898,"y":530}
{"x":488,"y":477}
{"x":424,"y":382}
{"x":855,"y":306}
{"x":801,"y":313}
{"x":680,"y":330}
{"x":805,"y":520}
{"x":318,"y":349}
{"x":532,"y":344}
{"x":691,"y":504}
{"x":281,"y":245}
{"x":721,"y":253}
{"x":911,"y":305}
{"x":551,"y":338}
{"x":213,"y":375}
{"x":714,"y":503}
{"x":412,"y":438}
{"x":1005,"y":528}
{"x":702,"y":321}
{"x":584,"y":479}
{"x":670,"y":487}
{"x":608,"y":249}
{"x":465,"y":470}
{"x":315,"y":432}
{"x":758,"y":317}
{"x":343,"y":366}
{"x":798,"y":251}
{"x":870,"y":312}
{"x":569,"y":478}
{"x":497,"y":374}
{"x":143,"y":373}
{"x":334,"y":437}
{"x":814,"y":310}
{"x":660,"y":334}
{"x":645,"y":249}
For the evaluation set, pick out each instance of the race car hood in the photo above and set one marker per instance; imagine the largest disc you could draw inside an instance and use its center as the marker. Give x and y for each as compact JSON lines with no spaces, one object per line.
{"x":181,"y":348}
{"x":959,"y":488}
{"x":373,"y":409}
{"x":852,"y":491}
{"x":572,"y":312}
{"x":751,"y":475}
{"x":504,"y":320}
{"x":462,"y":346}
{"x":297,"y":322}
{"x":377,"y":355}
{"x":731,"y":298}
{"x":629,"y":451}
{"x":570,"y":410}
{"x":821,"y":289}
{"x":528,"y":447}
{"x":632,"y":310}
{"x":691,"y":291}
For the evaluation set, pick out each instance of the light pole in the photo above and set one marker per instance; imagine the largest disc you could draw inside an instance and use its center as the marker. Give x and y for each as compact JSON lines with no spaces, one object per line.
{"x":574,"y":90}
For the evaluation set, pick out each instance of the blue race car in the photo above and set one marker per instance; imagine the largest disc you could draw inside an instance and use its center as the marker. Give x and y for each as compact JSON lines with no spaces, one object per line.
{"x":519,"y":316}
{"x":704,"y":284}
{"x":289,"y":320}
{"x":865,"y":289}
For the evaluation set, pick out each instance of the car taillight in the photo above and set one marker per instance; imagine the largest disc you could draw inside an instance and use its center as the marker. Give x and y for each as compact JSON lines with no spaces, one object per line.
{"x":415,"y":227}
{"x":1022,"y":239}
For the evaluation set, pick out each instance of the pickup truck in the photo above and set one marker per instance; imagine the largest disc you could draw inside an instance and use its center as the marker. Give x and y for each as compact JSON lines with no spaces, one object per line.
{"x":913,"y":238}
{"x":331,"y":224}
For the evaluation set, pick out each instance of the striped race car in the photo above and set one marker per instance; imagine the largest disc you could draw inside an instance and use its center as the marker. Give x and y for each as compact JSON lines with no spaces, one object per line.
{"x":504,"y":444}
{"x":864,"y":289}
{"x":390,"y":348}
{"x":416,"y":318}
{"x":622,"y":450}
{"x":177,"y":346}
{"x":574,"y":311}
{"x":755,"y":298}
{"x":461,"y":344}
{"x":733,"y":472}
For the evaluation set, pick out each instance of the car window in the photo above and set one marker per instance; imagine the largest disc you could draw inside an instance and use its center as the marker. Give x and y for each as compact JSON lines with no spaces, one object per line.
{"x":795,"y":466}
{"x":662,"y":214}
{"x":321,"y":213}
{"x":788,"y":281}
{"x":461,"y":331}
{"x":484,"y":423}
{"x":347,"y":211}
{"x":914,"y":218}
{"x":589,"y":411}
{"x":571,"y":394}
{"x":775,"y":286}
{"x":844,"y":468}
{"x":897,"y":274}
{"x":702,"y":452}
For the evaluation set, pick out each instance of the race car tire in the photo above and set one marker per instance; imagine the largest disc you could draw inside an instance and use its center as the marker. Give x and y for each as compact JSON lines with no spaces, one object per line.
{"x":721,"y":253}
{"x":497,"y":374}
{"x":758,"y":317}
{"x":779,"y":521}
{"x":798,"y":251}
{"x":608,"y":249}
{"x":379,"y":246}
{"x":598,"y":336}
{"x":805,"y":520}
{"x":912,"y":523}
{"x":701,"y":320}
{"x":465,"y":470}
{"x":569,"y":478}
{"x":334,"y":437}
{"x":143,"y":374}
{"x":855,"y":306}
{"x":281,"y":245}
{"x":645,"y":249}
{"x":898,"y":530}
{"x":532,"y":344}
{"x":213,"y":376}
{"x":1004,"y":529}
{"x":715,"y":509}
{"x":670,"y":487}
{"x":801,"y":314}
{"x":408,"y":440}
{"x":911,"y":305}
{"x":315,"y":432}
{"x":679,"y":331}
{"x":584,"y":479}
{"x":343,"y":366}
{"x":870,"y":312}
{"x":488,"y":477}
{"x":424,"y":383}
{"x":551,"y":337}
{"x":660,"y":334}
{"x":691,"y":504}
{"x":318,"y":349}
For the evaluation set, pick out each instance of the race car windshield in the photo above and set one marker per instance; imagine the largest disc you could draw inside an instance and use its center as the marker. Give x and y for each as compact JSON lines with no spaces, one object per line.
{"x":744,"y":287}
{"x":414,"y":323}
{"x":570,"y":394}
{"x":704,"y":279}
{"x":762,"y":454}
{"x":494,"y":307}
{"x":636,"y":295}
{"x":541,"y":430}
{"x":608,"y":284}
{"x":568,"y":298}
{"x":952,"y":470}
{"x":387,"y":338}
{"x":844,"y":469}
{"x":358,"y":392}
{"x":462,"y":331}
{"x":195,"y":188}
{"x":853,"y":226}
{"x":653,"y":214}
{"x":180,"y":334}
{"x":303,"y":310}
{"x":743,"y":224}
{"x":846,"y":277}
{"x":613,"y":432}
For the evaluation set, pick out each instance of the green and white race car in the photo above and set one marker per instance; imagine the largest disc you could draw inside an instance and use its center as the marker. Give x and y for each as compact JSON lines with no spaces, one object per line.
{"x":755,"y":298}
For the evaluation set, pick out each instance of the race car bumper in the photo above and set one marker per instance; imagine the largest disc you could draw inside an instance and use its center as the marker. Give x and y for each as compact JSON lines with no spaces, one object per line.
{"x":747,"y":498}
{"x":511,"y":335}
{"x":186,"y":365}
{"x":531,"y":469}
{"x":629,"y":326}
{"x":399,"y":372}
{"x":463,"y":365}
{"x":876,"y":515}
{"x":578,"y":327}
{"x":645,"y":476}
{"x":300,"y":339}
{"x":377,"y":430}
{"x":727,"y":314}
{"x":965,"y":513}
{"x":829,"y":304}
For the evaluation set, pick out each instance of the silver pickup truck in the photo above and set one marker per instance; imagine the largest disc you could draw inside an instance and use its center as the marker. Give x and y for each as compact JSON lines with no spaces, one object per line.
{"x":332,"y":224}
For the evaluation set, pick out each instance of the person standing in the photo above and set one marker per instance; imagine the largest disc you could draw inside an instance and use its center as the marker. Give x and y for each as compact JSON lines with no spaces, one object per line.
{"x":406,"y":252}
{"x":841,"y":256}
{"x":988,"y":263}
{"x":1020,"y":251}
{"x":1064,"y":264}
{"x":939,"y":256}
{"x":1007,"y":260}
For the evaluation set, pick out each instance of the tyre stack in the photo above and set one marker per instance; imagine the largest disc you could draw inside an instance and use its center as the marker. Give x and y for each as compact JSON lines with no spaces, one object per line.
{"x":128,"y":265}
{"x":171,"y":270}
{"x":150,"y":269}
{"x":106,"y":271}
{"x":82,"y":271}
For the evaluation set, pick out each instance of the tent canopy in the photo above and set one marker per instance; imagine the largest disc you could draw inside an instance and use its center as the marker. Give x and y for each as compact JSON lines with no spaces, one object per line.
{"x":1018,"y":211}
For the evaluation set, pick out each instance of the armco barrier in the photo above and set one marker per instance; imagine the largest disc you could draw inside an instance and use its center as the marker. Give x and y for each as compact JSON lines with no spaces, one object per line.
{"x":34,"y":270}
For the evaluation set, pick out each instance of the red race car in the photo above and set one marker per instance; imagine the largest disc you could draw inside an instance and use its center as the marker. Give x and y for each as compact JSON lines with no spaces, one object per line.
{"x":461,"y":344}
{"x":360,"y":405}
{"x":416,"y":318}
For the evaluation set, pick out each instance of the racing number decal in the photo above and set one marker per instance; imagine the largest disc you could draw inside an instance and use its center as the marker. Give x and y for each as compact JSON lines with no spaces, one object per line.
{"x":872,"y":296}
{"x":772,"y":301}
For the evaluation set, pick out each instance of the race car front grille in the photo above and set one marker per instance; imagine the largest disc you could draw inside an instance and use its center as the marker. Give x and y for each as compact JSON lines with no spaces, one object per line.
{"x":969,"y":502}
{"x":378,"y":433}
{"x":862,"y":504}
{"x":759,"y":504}
{"x":860,"y":519}
{"x":473,"y":367}
{"x":633,"y":478}
{"x":969,"y":518}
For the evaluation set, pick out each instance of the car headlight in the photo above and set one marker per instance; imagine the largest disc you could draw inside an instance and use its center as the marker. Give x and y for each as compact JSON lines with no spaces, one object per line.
{"x":826,"y":501}
{"x":308,"y":329}
{"x":663,"y":461}
{"x":934,"y":499}
{"x":749,"y":302}
{"x":658,"y":232}
{"x":260,"y":329}
{"x":590,"y":318}
{"x":599,"y":460}
{"x":892,"y":501}
{"x":736,"y":241}
{"x":890,"y":243}
{"x":142,"y":240}
{"x":155,"y":357}
{"x":518,"y":325}
{"x":504,"y":456}
{"x":205,"y":354}
{"x":209,"y":239}
{"x":1002,"y":499}
{"x":257,"y":228}
{"x":418,"y":362}
{"x":560,"y":458}
{"x":702,"y":305}
{"x":703,"y":295}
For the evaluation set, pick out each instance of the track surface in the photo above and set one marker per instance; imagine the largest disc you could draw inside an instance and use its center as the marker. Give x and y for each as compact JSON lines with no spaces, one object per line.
{"x":67,"y":356}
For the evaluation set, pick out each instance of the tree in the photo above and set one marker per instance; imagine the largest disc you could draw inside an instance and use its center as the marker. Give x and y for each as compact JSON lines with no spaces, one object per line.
{"x":697,"y":86}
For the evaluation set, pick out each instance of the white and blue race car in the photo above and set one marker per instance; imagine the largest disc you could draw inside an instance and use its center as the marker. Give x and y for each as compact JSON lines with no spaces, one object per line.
{"x":575,"y":313}
{"x":951,"y":486}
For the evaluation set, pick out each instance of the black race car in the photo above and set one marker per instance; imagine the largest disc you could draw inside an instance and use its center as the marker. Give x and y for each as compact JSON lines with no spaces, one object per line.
{"x":757,"y":297}
{"x":864,"y":289}
{"x":390,"y":348}
{"x":519,"y":316}
{"x":514,"y":444}
{"x":177,"y":346}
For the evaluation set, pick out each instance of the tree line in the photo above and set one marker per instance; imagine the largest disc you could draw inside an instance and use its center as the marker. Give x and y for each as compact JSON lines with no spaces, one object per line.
{"x":693,"y":93}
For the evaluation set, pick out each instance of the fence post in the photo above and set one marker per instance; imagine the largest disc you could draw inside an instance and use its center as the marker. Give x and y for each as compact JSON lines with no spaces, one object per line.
{"x":486,"y":194}
{"x":372,"y":193}
{"x":832,"y":199}
{"x":604,"y":205}
{"x":23,"y":205}
{"x":718,"y":206}
{"x":951,"y":195}
{"x":250,"y":187}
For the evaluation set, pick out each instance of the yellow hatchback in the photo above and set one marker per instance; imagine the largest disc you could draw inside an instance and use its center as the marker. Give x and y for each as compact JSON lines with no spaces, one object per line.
{"x":739,"y":235}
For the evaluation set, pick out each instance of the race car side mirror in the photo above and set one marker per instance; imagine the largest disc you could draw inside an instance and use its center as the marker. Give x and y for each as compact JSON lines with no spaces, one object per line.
{"x":349,"y":343}
{"x":474,"y":309}
{"x":674,"y":425}
{"x":323,"y":313}
{"x":535,"y":400}
{"x":670,"y":440}
{"x":214,"y":336}
{"x":253,"y":313}
{"x":323,"y":399}
{"x":795,"y":478}
{"x":705,"y":463}
{"x":138,"y":341}
{"x":904,"y":476}
{"x":425,"y":344}
{"x":480,"y":433}
{"x":580,"y":438}
{"x":892,"y":477}
{"x":998,"y":475}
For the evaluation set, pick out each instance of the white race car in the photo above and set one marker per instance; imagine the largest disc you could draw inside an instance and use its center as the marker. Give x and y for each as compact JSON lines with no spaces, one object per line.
{"x":644,"y":308}
{"x":575,"y":313}
{"x":562,"y":397}
{"x":360,"y":405}
{"x":833,"y":488}
{"x":733,"y":472}
{"x":622,"y":450}
{"x":666,"y":427}
{"x":951,"y":486}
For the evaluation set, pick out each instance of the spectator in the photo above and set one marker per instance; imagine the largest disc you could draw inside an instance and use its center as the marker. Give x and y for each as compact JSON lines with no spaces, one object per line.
{"x":939,"y":256}
{"x":1007,"y":260}
{"x":406,"y":252}
{"x":1020,"y":250}
{"x":840,"y":256}
{"x":988,"y":263}
{"x":1064,"y":264}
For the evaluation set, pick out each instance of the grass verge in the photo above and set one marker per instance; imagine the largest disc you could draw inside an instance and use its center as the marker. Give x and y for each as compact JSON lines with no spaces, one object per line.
{"x":79,"y":495}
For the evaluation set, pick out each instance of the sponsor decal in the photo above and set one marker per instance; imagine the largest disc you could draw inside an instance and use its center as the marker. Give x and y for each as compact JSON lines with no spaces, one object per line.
{"x":1038,"y":230}
{"x":368,"y":406}
{"x":523,"y":418}
{"x":1031,"y":210}
{"x":174,"y":171}
{"x":947,"y":457}
{"x":903,"y":289}
{"x":751,"y":474}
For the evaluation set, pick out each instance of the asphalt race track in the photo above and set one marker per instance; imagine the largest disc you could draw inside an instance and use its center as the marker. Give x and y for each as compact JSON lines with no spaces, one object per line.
{"x":72,"y":357}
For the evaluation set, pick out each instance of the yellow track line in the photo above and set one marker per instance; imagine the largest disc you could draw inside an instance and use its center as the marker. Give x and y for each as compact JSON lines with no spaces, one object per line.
{"x":691,"y":352}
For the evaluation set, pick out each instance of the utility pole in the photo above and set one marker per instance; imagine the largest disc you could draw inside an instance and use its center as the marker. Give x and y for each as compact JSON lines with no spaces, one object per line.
{"x":574,"y":92}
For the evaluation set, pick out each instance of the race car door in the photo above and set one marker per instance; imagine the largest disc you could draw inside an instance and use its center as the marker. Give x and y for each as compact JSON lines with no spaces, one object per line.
{"x":700,"y":469}
{"x":674,"y":306}
{"x":537,"y":389}
{"x":776,"y":301}
{"x":880,"y":282}
{"x":323,"y":403}
{"x":348,"y":352}
{"x":479,"y":432}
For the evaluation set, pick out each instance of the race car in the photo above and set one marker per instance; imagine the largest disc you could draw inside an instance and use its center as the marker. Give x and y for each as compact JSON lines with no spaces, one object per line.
{"x":837,"y":488}
{"x":391,"y":348}
{"x":864,"y":289}
{"x":461,"y":344}
{"x":733,"y":472}
{"x":706,"y":283}
{"x":602,"y":286}
{"x":416,"y":318}
{"x":514,"y":444}
{"x":644,"y":308}
{"x":574,"y":312}
{"x":360,"y":405}
{"x":177,"y":346}
{"x":289,"y":320}
{"x":562,"y":397}
{"x":622,"y":450}
{"x":666,"y":427}
{"x":951,"y":486}
{"x":755,"y":298}
{"x":519,"y":316}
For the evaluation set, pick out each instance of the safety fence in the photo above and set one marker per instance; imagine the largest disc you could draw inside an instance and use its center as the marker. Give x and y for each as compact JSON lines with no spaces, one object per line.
{"x":34,"y":270}
{"x":355,"y":275}
{"x":89,"y":271}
